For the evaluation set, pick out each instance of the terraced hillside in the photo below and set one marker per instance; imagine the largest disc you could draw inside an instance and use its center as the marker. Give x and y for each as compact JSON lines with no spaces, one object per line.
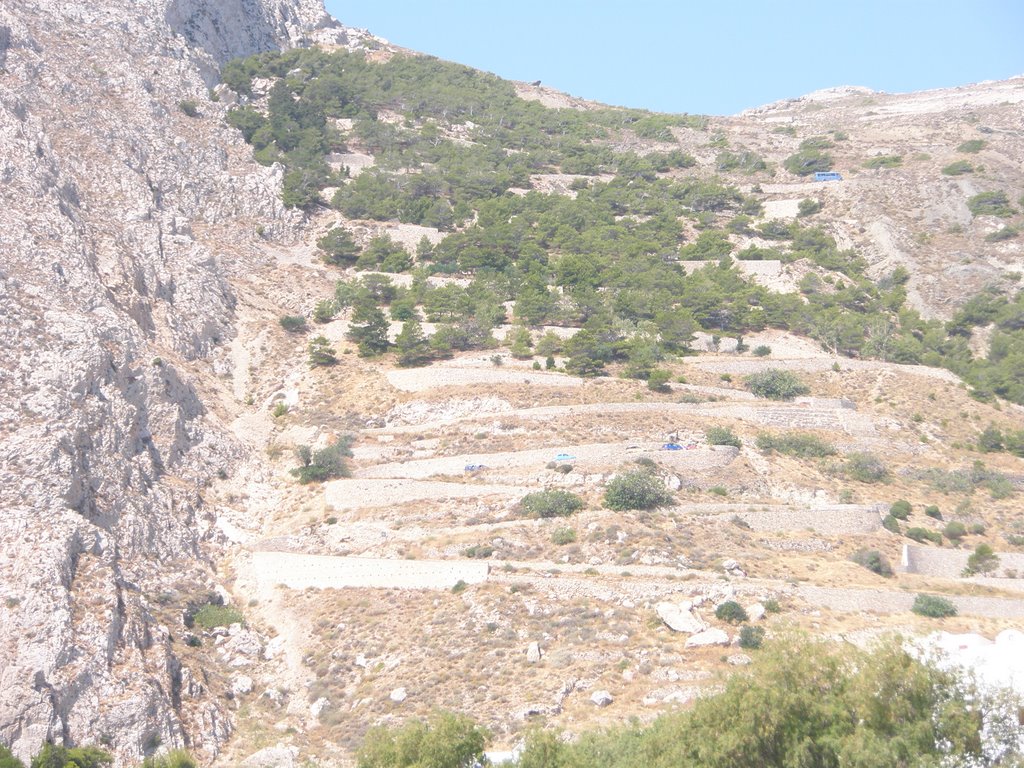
{"x":508,"y":310}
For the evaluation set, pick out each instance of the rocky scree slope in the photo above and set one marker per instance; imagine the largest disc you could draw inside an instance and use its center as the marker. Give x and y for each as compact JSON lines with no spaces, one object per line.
{"x":122,"y":220}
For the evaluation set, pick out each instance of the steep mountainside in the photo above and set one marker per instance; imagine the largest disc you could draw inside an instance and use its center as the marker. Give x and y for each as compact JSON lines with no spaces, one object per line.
{"x":226,"y":282}
{"x":121,"y":220}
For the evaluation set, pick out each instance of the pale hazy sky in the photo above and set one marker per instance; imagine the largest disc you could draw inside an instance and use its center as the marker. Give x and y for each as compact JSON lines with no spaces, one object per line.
{"x":711,"y":57}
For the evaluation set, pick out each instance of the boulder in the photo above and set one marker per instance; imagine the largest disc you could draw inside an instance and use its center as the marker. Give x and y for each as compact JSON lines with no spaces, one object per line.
{"x":318,"y":706}
{"x":272,"y":757}
{"x":398,"y":695}
{"x":601,"y":698}
{"x":241,"y":685}
{"x":755,"y":612}
{"x":679,"y":617}
{"x":739,"y":659}
{"x":708,"y":637}
{"x":533,"y":653}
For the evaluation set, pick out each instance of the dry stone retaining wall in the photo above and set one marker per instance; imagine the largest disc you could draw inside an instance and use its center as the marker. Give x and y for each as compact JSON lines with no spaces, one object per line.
{"x":297,"y":571}
{"x":950,"y":563}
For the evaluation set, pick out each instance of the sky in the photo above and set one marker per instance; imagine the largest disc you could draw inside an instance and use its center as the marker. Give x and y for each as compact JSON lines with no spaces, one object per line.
{"x":714,"y":57}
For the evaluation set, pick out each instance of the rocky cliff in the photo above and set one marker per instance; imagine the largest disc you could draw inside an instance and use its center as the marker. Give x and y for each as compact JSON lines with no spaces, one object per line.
{"x":122,"y":218}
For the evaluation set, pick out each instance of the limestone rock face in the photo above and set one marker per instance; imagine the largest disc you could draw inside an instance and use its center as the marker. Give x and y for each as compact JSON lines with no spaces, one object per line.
{"x":122,"y":221}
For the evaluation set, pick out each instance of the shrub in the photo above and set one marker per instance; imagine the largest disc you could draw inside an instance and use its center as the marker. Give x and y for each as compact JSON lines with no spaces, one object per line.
{"x":189,"y":108}
{"x":321,"y":353}
{"x":548,"y":504}
{"x":636,"y":490}
{"x":325,"y":311}
{"x":722,"y":436}
{"x":958,"y":168}
{"x":459,"y":586}
{"x":445,"y":740}
{"x":799,"y":444}
{"x":210,"y":616}
{"x":924,"y":534}
{"x":776,"y":384}
{"x":883,"y":161}
{"x":890,"y":523}
{"x":293,"y":323}
{"x":657,"y":381}
{"x":562,"y":536}
{"x":954,"y":530}
{"x":900,"y":509}
{"x":808,"y":161}
{"x":933,"y":606}
{"x":873,"y":560}
{"x":280,"y":409}
{"x":177,"y":758}
{"x":325,"y":463}
{"x":478,"y":551}
{"x":762,"y":350}
{"x":933,"y":512}
{"x":53,"y":756}
{"x":718,"y":490}
{"x":865,"y":468}
{"x":771,"y":605}
{"x":990,"y":204}
{"x":1006,"y":233}
{"x":972,"y":146}
{"x":732,"y":612}
{"x":808,"y":207}
{"x":982,"y":560}
{"x":751,"y":638}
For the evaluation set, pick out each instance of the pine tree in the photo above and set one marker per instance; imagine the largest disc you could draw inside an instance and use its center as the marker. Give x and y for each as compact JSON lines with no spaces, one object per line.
{"x":411,"y":345}
{"x":521,"y":343}
{"x":369,"y":330}
{"x":321,"y":353}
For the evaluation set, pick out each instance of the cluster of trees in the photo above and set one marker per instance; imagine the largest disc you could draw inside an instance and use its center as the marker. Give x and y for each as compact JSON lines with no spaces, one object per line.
{"x":605,"y":260}
{"x":802,"y":703}
{"x":55,"y":756}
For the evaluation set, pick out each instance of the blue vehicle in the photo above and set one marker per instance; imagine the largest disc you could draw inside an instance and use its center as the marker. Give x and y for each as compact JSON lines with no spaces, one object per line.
{"x":565,"y":457}
{"x":671,"y":447}
{"x":828,"y":176}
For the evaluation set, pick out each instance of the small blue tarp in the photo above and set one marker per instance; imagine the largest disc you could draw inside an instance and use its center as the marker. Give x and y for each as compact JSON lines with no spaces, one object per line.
{"x":671,"y":447}
{"x":565,"y":457}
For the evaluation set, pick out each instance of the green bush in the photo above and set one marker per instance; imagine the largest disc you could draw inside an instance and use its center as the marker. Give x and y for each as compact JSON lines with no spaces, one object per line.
{"x":924,"y":534}
{"x":890,"y":523}
{"x":189,"y":108}
{"x":958,"y":168}
{"x":933,"y":606}
{"x":771,"y":605}
{"x":338,"y":247}
{"x":324,"y":311}
{"x":177,"y":758}
{"x":873,"y":560}
{"x":321,"y":353}
{"x":478,"y":551}
{"x":636,"y":490}
{"x":900,"y":509}
{"x":972,"y":146}
{"x":658,"y":379}
{"x":883,"y":161}
{"x":1006,"y":233}
{"x":808,"y":161}
{"x":808,"y":207}
{"x":209,"y":616}
{"x":8,"y":760}
{"x":323,"y":464}
{"x":53,"y":756}
{"x":445,"y":740}
{"x":554,"y":503}
{"x":865,"y":468}
{"x":751,"y":638}
{"x":563,"y":536}
{"x":990,"y":204}
{"x":933,"y":512}
{"x":293,"y":323}
{"x":800,"y":444}
{"x":722,"y":436}
{"x":776,"y":384}
{"x":732,"y":612}
{"x":982,"y":560}
{"x":762,"y":350}
{"x":954,"y":530}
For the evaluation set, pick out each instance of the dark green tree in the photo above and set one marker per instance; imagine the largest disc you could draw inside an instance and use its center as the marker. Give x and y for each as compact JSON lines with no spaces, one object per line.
{"x":321,"y":353}
{"x":368,"y":329}
{"x":412,"y":346}
{"x":338,"y":247}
